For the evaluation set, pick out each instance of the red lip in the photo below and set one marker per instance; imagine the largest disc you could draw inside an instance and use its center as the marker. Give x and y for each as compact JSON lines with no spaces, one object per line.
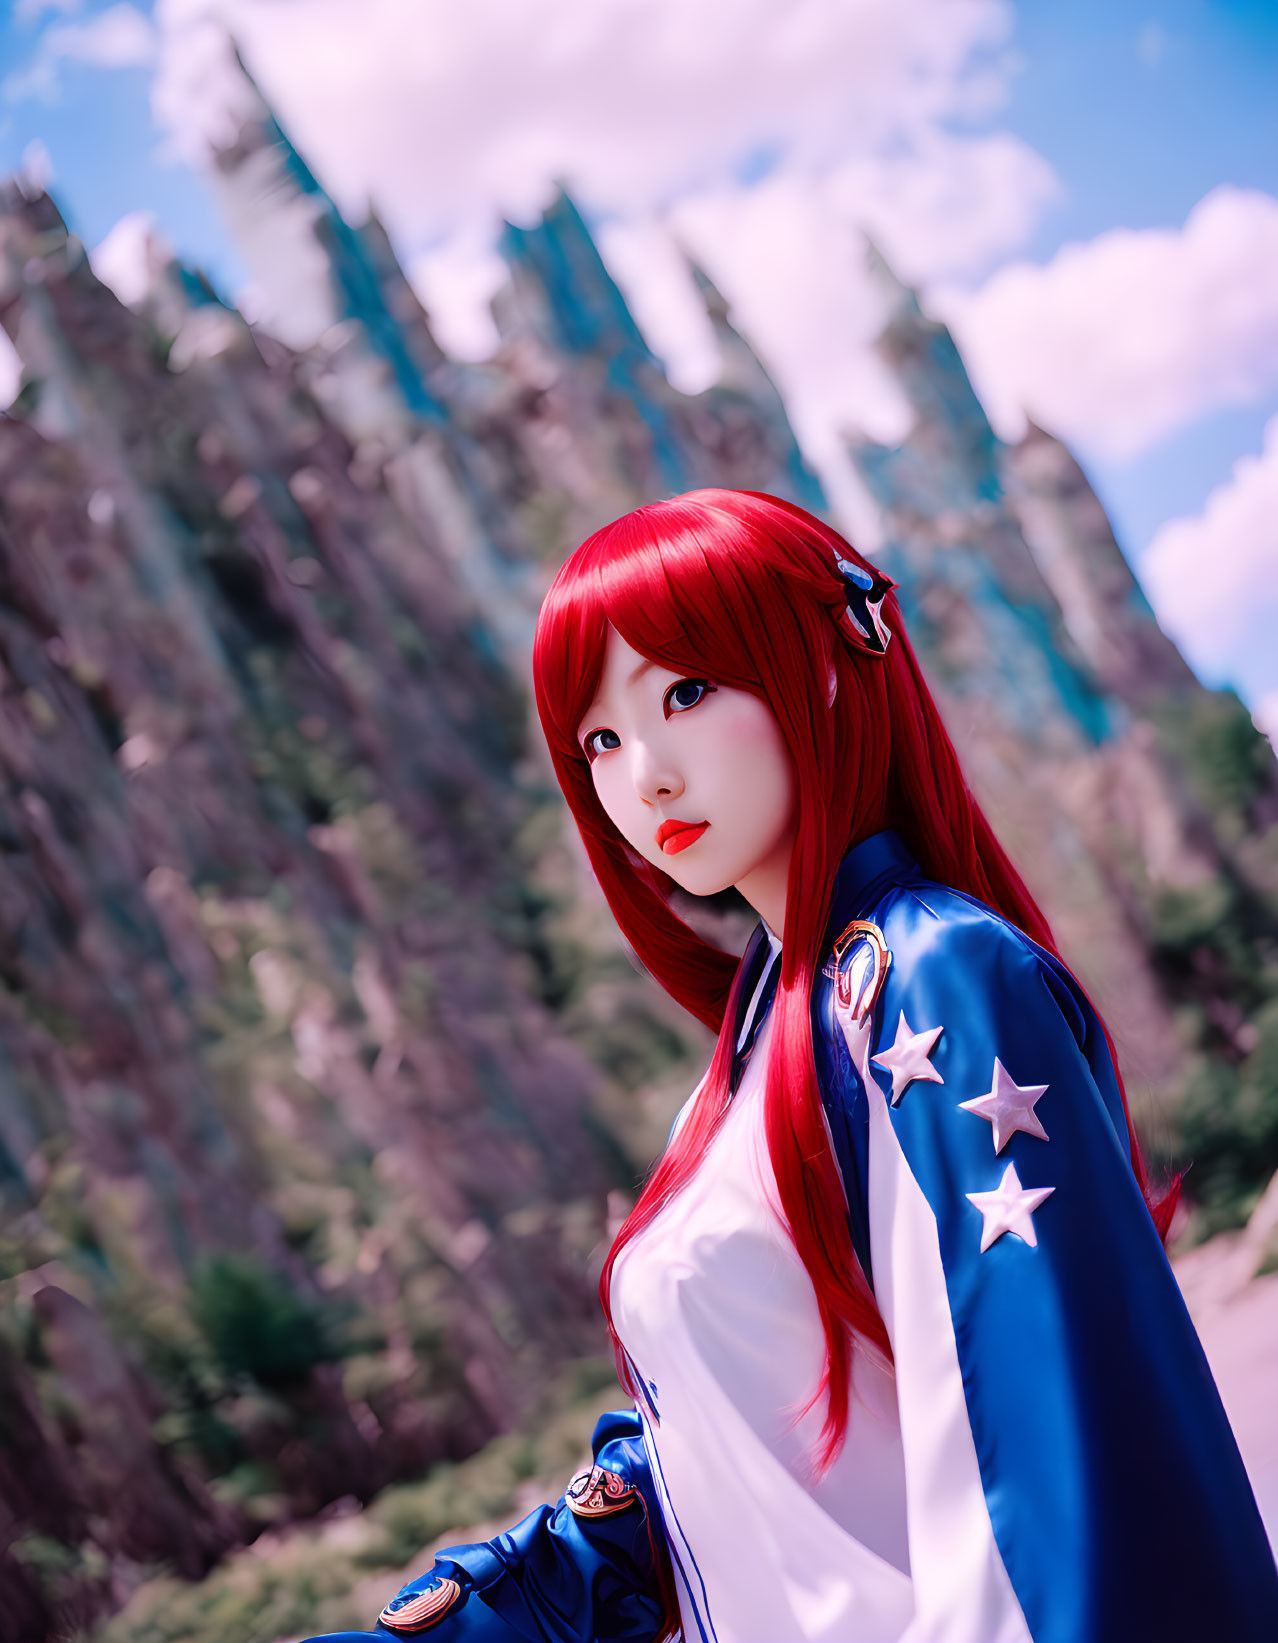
{"x":674,"y":836}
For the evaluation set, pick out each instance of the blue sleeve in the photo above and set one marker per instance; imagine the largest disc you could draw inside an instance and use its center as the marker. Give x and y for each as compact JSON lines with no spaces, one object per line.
{"x":586,"y":1568}
{"x":1115,"y":1491}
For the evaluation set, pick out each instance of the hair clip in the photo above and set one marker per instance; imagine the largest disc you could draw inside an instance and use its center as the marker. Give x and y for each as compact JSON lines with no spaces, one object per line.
{"x":866,"y":588}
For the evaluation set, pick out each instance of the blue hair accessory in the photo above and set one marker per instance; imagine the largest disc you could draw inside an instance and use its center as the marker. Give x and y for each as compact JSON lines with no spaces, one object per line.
{"x":866,"y":589}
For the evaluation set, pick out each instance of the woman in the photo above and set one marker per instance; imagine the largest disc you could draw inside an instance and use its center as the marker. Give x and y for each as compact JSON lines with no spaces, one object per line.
{"x":907,"y":1358}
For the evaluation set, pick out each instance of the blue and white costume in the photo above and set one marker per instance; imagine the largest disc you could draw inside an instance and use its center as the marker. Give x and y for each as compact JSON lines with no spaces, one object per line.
{"x":1047,"y":1460}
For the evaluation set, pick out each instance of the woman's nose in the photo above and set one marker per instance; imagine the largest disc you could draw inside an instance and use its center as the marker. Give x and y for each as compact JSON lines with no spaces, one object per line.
{"x":656,"y":777}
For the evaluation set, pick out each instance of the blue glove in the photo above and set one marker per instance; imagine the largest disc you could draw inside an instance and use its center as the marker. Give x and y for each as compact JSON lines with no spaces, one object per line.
{"x":586,"y":1568}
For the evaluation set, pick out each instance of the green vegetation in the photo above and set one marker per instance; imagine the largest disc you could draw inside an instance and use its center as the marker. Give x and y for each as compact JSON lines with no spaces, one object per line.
{"x":1226,"y":759}
{"x":1227,"y":1125}
{"x":258,"y":1325}
{"x":1216,"y":947}
{"x":624,"y":1037}
{"x":250,"y":1599}
{"x":336,"y":1576}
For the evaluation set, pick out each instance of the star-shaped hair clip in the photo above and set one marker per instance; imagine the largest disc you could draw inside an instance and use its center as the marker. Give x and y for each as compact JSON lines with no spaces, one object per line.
{"x":867,"y":588}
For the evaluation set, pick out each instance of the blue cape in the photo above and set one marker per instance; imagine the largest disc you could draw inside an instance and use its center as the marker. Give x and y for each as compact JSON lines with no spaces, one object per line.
{"x":1114,"y":1489}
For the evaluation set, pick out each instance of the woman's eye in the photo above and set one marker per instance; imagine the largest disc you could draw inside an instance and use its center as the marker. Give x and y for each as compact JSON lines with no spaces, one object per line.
{"x":687,"y":693}
{"x":600,"y":741}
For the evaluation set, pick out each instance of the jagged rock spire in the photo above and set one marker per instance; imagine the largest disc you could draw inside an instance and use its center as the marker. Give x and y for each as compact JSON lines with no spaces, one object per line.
{"x":898,"y":297}
{"x":583,"y":304}
{"x":742,"y":371}
{"x":320,"y":280}
{"x":949,"y":526}
{"x":561,"y":289}
{"x":740,"y":366}
{"x":1104,"y":607}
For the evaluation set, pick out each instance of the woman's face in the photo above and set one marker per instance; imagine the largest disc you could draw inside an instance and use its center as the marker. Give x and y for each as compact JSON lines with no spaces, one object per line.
{"x":694,"y":776}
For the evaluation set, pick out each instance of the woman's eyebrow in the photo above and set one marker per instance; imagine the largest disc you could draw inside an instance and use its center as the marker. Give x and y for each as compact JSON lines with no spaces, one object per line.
{"x":598,"y":708}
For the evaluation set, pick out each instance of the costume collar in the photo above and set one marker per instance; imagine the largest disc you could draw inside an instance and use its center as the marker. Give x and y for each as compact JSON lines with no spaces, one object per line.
{"x":868,"y":867}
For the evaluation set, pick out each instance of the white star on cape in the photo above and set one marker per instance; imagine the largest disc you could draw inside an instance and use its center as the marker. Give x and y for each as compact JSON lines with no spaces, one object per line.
{"x":1009,"y":1209}
{"x":1009,"y":1106}
{"x":908,"y":1057}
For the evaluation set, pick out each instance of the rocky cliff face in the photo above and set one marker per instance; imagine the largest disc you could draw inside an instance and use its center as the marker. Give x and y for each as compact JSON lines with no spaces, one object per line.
{"x":1140,"y":804}
{"x":302,"y":1176}
{"x":303,"y":1160}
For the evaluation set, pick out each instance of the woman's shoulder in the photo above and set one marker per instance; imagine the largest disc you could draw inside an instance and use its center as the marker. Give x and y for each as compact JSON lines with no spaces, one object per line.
{"x":925,"y":922}
{"x":969,"y":1026}
{"x":925,"y":952}
{"x":945,"y":944}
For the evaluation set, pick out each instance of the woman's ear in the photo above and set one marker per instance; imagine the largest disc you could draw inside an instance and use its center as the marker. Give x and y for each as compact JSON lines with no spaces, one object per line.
{"x":834,"y":687}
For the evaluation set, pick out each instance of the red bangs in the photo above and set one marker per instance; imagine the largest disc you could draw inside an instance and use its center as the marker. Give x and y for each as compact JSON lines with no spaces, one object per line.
{"x":648,"y":576}
{"x":692,"y":583}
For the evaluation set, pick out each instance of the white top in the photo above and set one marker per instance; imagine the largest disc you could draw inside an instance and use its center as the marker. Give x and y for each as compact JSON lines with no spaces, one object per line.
{"x":720,"y":1321}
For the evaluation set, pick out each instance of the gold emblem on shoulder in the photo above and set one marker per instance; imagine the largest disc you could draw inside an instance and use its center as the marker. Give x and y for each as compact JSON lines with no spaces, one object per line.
{"x":598,"y":1493}
{"x":858,"y":967}
{"x":415,"y":1611}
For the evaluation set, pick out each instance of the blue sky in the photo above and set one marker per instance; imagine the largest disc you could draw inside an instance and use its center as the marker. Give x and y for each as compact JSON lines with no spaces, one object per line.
{"x":1138,"y":110}
{"x":1141,"y":110}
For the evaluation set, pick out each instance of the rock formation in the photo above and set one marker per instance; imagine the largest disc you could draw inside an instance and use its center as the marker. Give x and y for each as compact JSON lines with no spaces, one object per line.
{"x":1140,"y":805}
{"x":308,"y":1102}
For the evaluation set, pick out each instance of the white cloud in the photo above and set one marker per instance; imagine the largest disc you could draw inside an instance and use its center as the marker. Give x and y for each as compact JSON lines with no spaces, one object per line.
{"x":635,"y":100}
{"x":120,"y":37}
{"x":1265,"y":715}
{"x":1118,"y":342}
{"x":451,"y":116}
{"x":651,"y":267}
{"x":10,"y":371}
{"x":456,"y":282}
{"x":36,"y":168}
{"x":948,"y":209}
{"x":129,"y":257}
{"x":762,"y":133}
{"x":31,"y":11}
{"x":1213,"y":578}
{"x":793,"y":268}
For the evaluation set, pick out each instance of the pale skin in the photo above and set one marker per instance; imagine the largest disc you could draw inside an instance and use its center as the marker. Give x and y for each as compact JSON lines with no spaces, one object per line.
{"x":672,"y":748}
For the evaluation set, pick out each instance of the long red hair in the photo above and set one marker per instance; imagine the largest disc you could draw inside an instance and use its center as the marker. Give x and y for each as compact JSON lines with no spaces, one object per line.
{"x":743,"y":588}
